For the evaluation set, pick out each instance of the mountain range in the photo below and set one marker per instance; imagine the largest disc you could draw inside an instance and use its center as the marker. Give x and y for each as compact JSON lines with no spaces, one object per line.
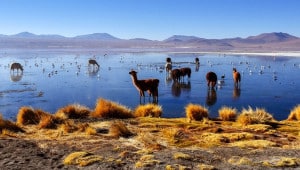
{"x":276,"y":41}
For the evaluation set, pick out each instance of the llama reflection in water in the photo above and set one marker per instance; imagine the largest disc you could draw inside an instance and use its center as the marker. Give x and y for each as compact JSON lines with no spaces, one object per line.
{"x":236,"y":92}
{"x":211,"y":97}
{"x":197,"y":63}
{"x":177,"y":87}
{"x":93,"y":71}
{"x":16,"y":76}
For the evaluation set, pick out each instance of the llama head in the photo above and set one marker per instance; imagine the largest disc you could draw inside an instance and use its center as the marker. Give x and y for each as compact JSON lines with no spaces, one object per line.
{"x":132,"y":72}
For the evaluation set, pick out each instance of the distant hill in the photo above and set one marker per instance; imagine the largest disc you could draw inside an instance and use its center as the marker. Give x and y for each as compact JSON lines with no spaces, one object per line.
{"x":97,"y":36}
{"x":272,"y":37}
{"x":31,"y":35}
{"x":182,"y":38}
{"x":276,"y":41}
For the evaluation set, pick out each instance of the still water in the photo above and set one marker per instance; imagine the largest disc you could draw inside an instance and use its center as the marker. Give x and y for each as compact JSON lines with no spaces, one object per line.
{"x":53,"y":80}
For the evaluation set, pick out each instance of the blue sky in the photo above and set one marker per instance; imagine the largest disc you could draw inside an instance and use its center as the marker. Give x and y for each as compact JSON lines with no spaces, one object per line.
{"x":151,"y":19}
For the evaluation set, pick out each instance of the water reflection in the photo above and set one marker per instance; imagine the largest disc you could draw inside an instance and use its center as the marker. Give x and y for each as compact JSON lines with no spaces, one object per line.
{"x":211,"y":97}
{"x":177,"y":87}
{"x":16,"y":76}
{"x":236,"y":92}
{"x":197,"y":62}
{"x":93,"y":71}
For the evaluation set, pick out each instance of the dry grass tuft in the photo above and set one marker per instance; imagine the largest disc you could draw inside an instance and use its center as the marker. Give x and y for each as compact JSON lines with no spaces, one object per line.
{"x":227,"y":113}
{"x":146,"y":161}
{"x":70,"y":127}
{"x":283,"y":162}
{"x":108,"y":109}
{"x":180,"y":155}
{"x":151,"y":110}
{"x":254,"y":144}
{"x":28,"y":115}
{"x":47,"y":121}
{"x":257,"y":116}
{"x":236,"y":160}
{"x":6,"y":125}
{"x":82,"y":159}
{"x":119,"y":129}
{"x":195,"y":112}
{"x":73,"y":111}
{"x":295,"y":113}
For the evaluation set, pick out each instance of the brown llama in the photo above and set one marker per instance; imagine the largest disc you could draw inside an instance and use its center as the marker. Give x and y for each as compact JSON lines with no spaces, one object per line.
{"x":16,"y":66}
{"x":93,"y":62}
{"x":176,"y":74}
{"x":236,"y":77}
{"x":197,"y":62}
{"x":185,"y":71}
{"x":149,"y":85}
{"x":211,"y":79}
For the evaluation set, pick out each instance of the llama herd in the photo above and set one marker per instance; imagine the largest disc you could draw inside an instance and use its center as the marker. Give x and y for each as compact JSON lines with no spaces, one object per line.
{"x":151,"y":85}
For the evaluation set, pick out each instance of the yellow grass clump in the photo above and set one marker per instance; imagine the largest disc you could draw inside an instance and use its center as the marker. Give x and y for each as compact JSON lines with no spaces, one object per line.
{"x":71,"y":127}
{"x":108,"y":109}
{"x":295,"y":113}
{"x":73,"y":111}
{"x":180,"y":155}
{"x":28,"y":115}
{"x":150,"y":109}
{"x":47,"y":121}
{"x":227,"y":113}
{"x":257,"y":116}
{"x":8,"y":125}
{"x":195,"y":112}
{"x":82,"y":159}
{"x":119,"y":129}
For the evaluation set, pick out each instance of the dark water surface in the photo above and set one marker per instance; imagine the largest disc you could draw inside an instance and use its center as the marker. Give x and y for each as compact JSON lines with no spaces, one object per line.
{"x":52,"y":80}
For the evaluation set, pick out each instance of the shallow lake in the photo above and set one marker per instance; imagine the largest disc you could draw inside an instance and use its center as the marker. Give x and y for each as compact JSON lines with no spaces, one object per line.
{"x":53,"y":80}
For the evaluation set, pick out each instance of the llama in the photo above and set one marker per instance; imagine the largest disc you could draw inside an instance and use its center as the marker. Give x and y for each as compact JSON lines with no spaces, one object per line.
{"x":185,"y":71}
{"x":149,"y":85}
{"x":197,"y":62}
{"x":93,"y":62}
{"x":168,"y":65}
{"x":176,"y":74}
{"x":16,"y":66}
{"x":236,"y":77}
{"x":211,"y":79}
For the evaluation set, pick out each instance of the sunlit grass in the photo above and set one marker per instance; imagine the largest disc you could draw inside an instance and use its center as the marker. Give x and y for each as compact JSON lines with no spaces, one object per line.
{"x":295,"y":113}
{"x":195,"y":112}
{"x":108,"y":109}
{"x":227,"y":113}
{"x":28,"y":115}
{"x":119,"y":129}
{"x":6,"y":126}
{"x":148,"y":110}
{"x":257,"y":116}
{"x":73,"y":111}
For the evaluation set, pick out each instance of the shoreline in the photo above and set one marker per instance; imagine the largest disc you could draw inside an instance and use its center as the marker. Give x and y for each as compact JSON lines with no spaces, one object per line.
{"x":271,"y":54}
{"x":167,"y":51}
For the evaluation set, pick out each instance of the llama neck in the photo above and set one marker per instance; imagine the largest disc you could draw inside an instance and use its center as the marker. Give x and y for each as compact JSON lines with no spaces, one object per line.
{"x":134,"y":79}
